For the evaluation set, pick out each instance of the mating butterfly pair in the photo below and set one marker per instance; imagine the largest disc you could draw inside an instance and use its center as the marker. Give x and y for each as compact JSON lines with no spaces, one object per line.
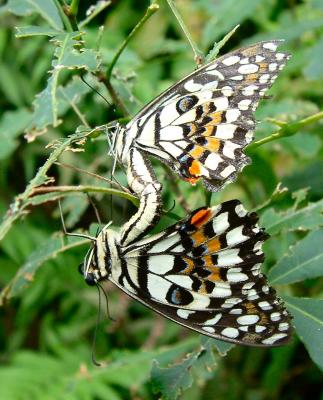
{"x":204,"y":271}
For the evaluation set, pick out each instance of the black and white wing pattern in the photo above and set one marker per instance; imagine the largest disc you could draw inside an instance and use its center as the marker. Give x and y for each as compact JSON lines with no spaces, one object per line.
{"x":200,"y":125}
{"x":204,"y":273}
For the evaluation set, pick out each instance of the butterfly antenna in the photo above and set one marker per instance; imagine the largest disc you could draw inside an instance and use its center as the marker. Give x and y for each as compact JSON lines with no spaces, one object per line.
{"x":95,"y":210}
{"x":107,"y":303}
{"x":96,"y":91}
{"x":98,"y":320}
{"x":68,"y":233}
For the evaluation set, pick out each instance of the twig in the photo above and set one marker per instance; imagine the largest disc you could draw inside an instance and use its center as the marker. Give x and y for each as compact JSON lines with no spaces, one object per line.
{"x":103,"y":5}
{"x":71,"y":13}
{"x":150,"y":11}
{"x":64,"y":18}
{"x":106,"y":78}
{"x":84,"y":189}
{"x":102,"y":178}
{"x":217,"y":46}
{"x":285,"y":130}
{"x":198,"y":54}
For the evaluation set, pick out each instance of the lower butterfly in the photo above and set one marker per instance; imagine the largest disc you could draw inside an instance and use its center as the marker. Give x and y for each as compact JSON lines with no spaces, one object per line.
{"x":203,"y":273}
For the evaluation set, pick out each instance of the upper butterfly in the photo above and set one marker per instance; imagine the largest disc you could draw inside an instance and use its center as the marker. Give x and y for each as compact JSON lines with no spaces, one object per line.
{"x":200,"y":125}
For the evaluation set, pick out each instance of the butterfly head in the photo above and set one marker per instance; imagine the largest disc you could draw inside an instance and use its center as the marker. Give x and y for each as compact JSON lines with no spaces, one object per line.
{"x":97,"y":263}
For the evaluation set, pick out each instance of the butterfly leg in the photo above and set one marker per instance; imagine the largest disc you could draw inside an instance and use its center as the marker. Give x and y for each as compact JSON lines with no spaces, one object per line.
{"x":144,"y":184}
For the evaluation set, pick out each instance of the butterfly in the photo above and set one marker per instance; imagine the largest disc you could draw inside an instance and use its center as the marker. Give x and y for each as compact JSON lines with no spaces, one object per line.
{"x":203,"y":273}
{"x":199,"y":127}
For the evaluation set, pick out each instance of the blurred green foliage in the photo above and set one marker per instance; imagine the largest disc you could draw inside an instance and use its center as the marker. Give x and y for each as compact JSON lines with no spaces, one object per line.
{"x":48,"y":313}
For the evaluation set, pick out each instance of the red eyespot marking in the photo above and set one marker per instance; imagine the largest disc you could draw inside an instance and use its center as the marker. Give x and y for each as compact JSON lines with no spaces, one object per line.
{"x":201,"y":217}
{"x":195,"y":168}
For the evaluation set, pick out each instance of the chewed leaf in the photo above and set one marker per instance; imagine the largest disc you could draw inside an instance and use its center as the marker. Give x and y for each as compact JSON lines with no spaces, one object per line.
{"x":172,"y":381}
{"x":47,"y":105}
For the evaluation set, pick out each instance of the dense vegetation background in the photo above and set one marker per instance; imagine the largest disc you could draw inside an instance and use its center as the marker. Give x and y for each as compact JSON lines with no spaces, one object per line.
{"x":48,"y":313}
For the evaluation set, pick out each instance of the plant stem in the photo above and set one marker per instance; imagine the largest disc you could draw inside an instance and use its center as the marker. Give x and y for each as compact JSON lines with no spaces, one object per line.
{"x":285,"y":130}
{"x":198,"y":55}
{"x":85,"y":189}
{"x":65,"y":19}
{"x":92,"y":174}
{"x":106,"y":78}
{"x":74,"y":7}
{"x":97,"y":11}
{"x":150,"y":11}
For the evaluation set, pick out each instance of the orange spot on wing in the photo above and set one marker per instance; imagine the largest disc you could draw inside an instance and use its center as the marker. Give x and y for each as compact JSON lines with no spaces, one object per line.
{"x":216,"y":117}
{"x":208,"y":130}
{"x":201,"y":217}
{"x":195,"y":168}
{"x":214,"y":245}
{"x":197,"y":151}
{"x":251,"y":78}
{"x":208,"y":263}
{"x":263,"y":67}
{"x":190,"y":266}
{"x":213,"y":144}
{"x":250,"y":51}
{"x":198,"y":238}
{"x":215,"y":276}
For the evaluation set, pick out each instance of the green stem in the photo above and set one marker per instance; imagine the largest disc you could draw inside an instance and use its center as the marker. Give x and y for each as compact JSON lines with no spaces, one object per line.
{"x":198,"y":55}
{"x":97,"y":11}
{"x":71,"y":13}
{"x":285,"y":131}
{"x":150,"y":11}
{"x":84,"y":189}
{"x":64,"y":18}
{"x":74,"y":7}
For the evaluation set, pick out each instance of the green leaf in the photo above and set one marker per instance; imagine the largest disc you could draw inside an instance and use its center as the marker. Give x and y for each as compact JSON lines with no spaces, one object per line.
{"x":309,"y":217}
{"x":17,"y":7}
{"x":173,"y":380}
{"x":48,"y":10}
{"x":46,"y":251}
{"x":12,"y":124}
{"x":222,"y":347}
{"x":24,"y":31}
{"x":308,"y":321}
{"x":304,"y":261}
{"x":313,"y":70}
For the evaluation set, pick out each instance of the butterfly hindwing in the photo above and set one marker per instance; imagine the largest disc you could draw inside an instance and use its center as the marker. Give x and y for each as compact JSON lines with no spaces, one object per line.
{"x":200,"y":125}
{"x":204,"y":273}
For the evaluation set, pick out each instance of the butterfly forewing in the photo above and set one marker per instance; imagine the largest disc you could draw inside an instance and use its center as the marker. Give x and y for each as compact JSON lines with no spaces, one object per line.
{"x":200,"y":125}
{"x":204,"y":273}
